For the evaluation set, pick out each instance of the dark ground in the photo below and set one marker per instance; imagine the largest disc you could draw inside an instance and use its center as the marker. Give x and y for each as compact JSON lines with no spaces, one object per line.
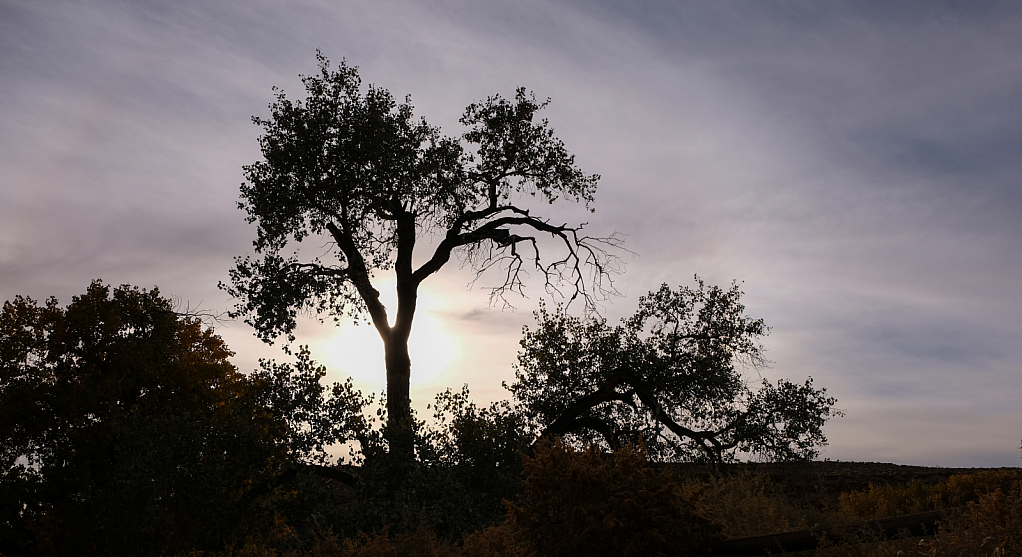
{"x":814,"y":484}
{"x":819,"y":484}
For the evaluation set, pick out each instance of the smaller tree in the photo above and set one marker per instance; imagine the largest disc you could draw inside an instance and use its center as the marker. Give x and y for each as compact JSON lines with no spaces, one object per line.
{"x":670,"y":375}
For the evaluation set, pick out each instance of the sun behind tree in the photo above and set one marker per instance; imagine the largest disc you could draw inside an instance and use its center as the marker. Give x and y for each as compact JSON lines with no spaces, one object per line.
{"x":356,"y":351}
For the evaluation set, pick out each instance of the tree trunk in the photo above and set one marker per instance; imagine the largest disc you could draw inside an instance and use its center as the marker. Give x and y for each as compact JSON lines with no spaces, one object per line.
{"x":399,"y":433}
{"x":399,"y":365}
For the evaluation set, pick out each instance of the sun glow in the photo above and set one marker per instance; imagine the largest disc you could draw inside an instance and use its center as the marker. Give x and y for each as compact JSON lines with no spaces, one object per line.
{"x":356,"y":351}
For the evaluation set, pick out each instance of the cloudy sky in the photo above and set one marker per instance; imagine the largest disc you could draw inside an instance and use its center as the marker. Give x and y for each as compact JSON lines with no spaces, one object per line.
{"x":857,"y":164}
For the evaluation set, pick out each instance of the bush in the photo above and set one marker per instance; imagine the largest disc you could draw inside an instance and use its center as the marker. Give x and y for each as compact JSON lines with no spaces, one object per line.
{"x":916,"y":496}
{"x":589,"y":503}
{"x":992,"y":525}
{"x":746,"y":504}
{"x":495,"y":541}
{"x":468,"y":463}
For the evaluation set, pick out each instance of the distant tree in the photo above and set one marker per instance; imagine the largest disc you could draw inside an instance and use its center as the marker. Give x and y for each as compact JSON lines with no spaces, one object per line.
{"x":362,"y":179}
{"x":124,"y":429}
{"x":669,"y":375}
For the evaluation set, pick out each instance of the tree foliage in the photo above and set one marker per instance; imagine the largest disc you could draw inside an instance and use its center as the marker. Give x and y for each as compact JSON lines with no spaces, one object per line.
{"x":479,"y":450}
{"x":670,"y":375}
{"x":354,"y":173}
{"x":124,"y":429}
{"x":315,"y":417}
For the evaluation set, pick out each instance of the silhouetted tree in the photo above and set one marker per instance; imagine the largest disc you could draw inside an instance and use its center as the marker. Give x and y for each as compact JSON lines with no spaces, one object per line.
{"x":124,"y":429}
{"x":670,"y":376}
{"x":354,"y":173}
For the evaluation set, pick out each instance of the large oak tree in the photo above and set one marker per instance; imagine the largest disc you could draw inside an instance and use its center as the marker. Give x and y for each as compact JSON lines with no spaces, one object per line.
{"x":353,"y":172}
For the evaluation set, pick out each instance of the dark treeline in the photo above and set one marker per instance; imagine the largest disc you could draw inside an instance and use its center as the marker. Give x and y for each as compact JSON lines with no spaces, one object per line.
{"x":125,"y":430}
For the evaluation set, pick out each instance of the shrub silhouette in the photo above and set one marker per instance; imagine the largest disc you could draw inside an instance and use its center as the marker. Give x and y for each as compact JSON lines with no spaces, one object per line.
{"x":590,"y":503}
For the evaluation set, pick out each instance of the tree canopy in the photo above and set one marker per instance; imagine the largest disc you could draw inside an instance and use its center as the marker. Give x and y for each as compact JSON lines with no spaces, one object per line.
{"x":354,"y":173}
{"x":670,"y":375}
{"x":124,"y":429}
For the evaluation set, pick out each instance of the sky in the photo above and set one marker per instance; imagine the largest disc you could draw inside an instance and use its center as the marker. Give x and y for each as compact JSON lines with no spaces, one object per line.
{"x":854,"y":165}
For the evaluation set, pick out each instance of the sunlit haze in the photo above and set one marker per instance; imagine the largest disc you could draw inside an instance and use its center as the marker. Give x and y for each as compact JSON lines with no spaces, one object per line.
{"x":356,"y":351}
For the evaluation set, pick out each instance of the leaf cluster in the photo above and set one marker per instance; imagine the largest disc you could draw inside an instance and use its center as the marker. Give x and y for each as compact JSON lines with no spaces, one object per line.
{"x":347,"y":158}
{"x":316,"y":418}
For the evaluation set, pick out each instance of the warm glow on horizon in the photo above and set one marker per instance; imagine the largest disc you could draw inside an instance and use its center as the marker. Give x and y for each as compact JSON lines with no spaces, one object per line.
{"x":357,"y":350}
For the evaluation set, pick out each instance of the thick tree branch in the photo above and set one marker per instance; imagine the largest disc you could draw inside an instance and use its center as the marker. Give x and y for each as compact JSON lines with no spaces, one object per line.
{"x":574,"y":417}
{"x":606,"y":393}
{"x":318,"y":270}
{"x":358,"y":274}
{"x":662,"y":416}
{"x":407,"y":286}
{"x":603,"y":427}
{"x":456,"y":237}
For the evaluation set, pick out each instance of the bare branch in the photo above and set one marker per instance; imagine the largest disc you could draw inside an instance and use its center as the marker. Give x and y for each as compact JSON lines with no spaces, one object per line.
{"x":581,"y":272}
{"x":208,"y":318}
